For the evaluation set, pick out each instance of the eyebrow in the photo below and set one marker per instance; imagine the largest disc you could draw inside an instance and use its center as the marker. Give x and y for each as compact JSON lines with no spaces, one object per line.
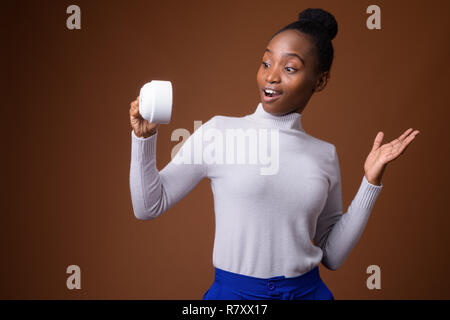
{"x":288,"y":54}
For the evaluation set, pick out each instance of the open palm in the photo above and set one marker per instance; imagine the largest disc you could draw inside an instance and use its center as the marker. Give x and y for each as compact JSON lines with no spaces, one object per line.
{"x":381,"y":155}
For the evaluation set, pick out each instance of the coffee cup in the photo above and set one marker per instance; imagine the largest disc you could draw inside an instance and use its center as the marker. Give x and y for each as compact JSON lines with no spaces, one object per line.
{"x":155,"y":101}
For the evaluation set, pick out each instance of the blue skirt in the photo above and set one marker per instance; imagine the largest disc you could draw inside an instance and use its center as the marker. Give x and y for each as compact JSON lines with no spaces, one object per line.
{"x":233,"y":286}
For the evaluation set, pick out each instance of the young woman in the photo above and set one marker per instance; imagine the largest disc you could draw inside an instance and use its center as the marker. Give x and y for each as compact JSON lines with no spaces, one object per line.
{"x":272,"y":230}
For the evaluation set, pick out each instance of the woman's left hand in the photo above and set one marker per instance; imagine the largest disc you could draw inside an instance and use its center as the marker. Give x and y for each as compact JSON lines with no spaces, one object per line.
{"x":380,"y":156}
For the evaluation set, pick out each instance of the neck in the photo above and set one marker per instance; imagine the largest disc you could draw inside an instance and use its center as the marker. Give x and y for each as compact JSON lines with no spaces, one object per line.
{"x":291,"y":120}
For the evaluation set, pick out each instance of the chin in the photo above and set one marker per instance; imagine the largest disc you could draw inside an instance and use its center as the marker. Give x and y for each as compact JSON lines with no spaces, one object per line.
{"x":272,"y":108}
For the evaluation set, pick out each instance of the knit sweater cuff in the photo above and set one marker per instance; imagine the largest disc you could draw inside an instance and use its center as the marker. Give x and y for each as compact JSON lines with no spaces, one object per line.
{"x":143,"y":149}
{"x":367,"y":194}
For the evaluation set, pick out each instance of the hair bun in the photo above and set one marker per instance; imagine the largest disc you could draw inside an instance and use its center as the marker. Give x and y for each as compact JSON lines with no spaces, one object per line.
{"x":320,"y":17}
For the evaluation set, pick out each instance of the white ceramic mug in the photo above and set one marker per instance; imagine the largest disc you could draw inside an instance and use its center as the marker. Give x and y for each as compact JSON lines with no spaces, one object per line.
{"x":155,"y":101}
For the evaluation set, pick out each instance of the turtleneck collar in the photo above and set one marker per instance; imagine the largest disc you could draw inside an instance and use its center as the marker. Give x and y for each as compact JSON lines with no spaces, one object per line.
{"x":288,"y":121}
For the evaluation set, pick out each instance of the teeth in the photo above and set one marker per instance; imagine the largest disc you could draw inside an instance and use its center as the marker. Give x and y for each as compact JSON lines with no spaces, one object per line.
{"x":269,"y":91}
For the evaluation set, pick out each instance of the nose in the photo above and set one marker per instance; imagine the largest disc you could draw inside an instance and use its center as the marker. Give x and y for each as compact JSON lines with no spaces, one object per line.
{"x":272,"y":75}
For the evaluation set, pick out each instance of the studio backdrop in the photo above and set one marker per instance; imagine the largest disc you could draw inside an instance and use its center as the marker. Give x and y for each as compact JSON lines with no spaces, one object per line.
{"x":71,"y":70}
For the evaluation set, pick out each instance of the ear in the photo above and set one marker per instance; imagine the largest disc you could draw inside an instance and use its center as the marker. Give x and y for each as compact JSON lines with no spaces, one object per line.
{"x":322,"y":81}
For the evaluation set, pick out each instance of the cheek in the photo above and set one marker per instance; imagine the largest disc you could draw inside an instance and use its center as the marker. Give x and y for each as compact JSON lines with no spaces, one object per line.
{"x":300,"y":86}
{"x":298,"y":93}
{"x":259,"y":74}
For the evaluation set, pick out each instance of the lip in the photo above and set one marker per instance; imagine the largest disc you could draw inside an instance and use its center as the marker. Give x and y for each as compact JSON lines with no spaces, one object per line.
{"x":272,"y":88}
{"x":270,"y":99}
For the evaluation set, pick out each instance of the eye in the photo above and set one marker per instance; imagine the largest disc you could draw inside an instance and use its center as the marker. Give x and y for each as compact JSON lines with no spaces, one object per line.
{"x":264,"y":64}
{"x":291,"y":68}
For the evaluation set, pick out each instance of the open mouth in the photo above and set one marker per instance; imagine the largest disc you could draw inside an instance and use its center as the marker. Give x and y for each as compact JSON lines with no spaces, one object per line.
{"x":271,"y":93}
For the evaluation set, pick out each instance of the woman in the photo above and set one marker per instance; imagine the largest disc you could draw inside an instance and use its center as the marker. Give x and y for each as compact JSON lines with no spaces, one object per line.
{"x":272,"y":230}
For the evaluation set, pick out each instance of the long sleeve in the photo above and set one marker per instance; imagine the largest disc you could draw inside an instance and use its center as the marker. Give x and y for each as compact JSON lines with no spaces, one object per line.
{"x":338,"y":233}
{"x":154,"y":192}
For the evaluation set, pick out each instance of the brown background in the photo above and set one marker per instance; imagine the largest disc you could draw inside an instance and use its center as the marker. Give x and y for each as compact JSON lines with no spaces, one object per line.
{"x":67,"y":140}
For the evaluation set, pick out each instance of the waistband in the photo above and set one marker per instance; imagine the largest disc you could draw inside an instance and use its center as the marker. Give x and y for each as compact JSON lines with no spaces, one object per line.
{"x":304,"y":281}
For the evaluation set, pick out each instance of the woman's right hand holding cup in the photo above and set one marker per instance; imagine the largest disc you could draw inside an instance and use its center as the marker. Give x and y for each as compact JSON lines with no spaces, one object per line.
{"x":142,"y":128}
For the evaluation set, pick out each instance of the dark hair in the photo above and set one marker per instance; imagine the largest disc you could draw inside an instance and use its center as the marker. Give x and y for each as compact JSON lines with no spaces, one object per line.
{"x":322,"y":27}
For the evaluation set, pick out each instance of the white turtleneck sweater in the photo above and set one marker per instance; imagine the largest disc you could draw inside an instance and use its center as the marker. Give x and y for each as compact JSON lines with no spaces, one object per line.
{"x":280,"y":214}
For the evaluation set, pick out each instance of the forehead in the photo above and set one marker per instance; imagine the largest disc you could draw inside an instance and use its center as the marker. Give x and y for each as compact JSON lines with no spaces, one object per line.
{"x":292,"y":41}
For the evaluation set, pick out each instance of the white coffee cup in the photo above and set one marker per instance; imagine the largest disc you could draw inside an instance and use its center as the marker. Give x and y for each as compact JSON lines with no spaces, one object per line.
{"x":155,"y":101}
